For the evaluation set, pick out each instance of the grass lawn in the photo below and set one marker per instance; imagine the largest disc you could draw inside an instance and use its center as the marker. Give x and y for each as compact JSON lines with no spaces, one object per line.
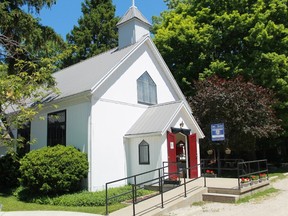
{"x":10,"y":203}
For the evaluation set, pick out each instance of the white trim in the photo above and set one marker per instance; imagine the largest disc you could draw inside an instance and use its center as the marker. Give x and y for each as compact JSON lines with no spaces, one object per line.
{"x":171,"y":119}
{"x":157,"y":133}
{"x":67,"y":101}
{"x":169,"y":74}
{"x":100,"y":82}
{"x":122,"y":103}
{"x":89,"y":150}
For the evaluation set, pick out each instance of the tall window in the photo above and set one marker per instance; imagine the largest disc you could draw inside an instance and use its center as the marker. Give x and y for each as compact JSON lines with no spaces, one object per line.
{"x":23,"y":134}
{"x":146,"y":89}
{"x":56,"y":128}
{"x":144,"y":157}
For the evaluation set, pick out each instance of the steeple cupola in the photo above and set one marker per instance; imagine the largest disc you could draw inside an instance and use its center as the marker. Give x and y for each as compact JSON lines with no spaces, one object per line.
{"x":132,"y":27}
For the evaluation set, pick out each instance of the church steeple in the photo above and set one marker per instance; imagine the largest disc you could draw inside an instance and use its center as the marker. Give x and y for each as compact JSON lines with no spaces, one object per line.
{"x":132,"y":27}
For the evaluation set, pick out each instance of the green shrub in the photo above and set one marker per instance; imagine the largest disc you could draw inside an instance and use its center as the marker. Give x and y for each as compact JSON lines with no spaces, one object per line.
{"x":83,"y":198}
{"x":53,"y":170}
{"x":86,"y":198}
{"x":9,"y":171}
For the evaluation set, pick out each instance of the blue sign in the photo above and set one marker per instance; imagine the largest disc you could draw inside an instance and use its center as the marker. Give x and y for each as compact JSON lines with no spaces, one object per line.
{"x":217,"y":132}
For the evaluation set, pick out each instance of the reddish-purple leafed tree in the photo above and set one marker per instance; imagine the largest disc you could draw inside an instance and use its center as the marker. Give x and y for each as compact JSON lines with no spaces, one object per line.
{"x":245,"y":108}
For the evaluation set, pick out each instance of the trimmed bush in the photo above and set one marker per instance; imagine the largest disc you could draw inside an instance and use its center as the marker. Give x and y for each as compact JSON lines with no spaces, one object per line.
{"x":83,"y":198}
{"x":9,"y":171}
{"x":53,"y":170}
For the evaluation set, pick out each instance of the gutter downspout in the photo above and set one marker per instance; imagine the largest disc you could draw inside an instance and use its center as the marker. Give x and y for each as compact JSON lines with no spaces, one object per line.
{"x":90,"y":134}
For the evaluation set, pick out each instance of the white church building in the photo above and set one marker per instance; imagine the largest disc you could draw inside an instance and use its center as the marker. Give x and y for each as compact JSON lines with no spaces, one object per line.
{"x":123,"y":108}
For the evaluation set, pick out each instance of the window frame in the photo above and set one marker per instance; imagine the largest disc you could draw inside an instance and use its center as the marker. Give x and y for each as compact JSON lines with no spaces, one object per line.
{"x":145,"y":159}
{"x":51,"y":141}
{"x":146,"y":90}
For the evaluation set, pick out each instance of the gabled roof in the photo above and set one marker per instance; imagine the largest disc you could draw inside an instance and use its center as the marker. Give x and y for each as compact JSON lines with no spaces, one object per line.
{"x":157,"y":119}
{"x":133,"y":12}
{"x":84,"y":75}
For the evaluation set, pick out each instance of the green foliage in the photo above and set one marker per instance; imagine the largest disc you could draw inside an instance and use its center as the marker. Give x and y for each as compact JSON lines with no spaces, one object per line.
{"x":53,"y":170}
{"x":244,"y":108}
{"x":9,"y":171}
{"x":96,"y":31}
{"x":83,"y":198}
{"x":10,"y":203}
{"x":21,"y":95}
{"x":20,"y":27}
{"x":29,"y":53}
{"x":262,"y":194}
{"x":200,"y":38}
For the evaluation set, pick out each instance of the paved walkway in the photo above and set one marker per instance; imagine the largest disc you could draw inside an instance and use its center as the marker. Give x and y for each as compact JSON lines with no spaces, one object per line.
{"x":45,"y":213}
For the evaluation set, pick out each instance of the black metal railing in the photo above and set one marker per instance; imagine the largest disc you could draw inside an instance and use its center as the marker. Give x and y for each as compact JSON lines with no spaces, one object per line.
{"x":221,"y":168}
{"x":161,"y":176}
{"x":247,"y":169}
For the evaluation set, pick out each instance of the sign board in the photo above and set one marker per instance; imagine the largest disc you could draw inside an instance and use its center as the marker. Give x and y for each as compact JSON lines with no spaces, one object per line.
{"x":217,"y":132}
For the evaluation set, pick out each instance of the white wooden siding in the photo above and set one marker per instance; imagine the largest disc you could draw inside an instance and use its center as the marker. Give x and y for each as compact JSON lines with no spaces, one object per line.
{"x":155,"y":152}
{"x":110,"y":121}
{"x":123,"y":83}
{"x":76,"y":126}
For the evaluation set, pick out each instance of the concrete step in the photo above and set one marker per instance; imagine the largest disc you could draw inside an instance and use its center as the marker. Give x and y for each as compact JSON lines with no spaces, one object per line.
{"x":222,"y":198}
{"x":230,"y":191}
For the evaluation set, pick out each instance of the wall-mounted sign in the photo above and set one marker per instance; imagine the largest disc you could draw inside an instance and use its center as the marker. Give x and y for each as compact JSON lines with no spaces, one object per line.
{"x":217,"y":132}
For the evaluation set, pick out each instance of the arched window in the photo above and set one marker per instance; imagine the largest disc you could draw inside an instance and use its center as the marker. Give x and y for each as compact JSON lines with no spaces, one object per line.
{"x":146,"y":90}
{"x":144,"y":157}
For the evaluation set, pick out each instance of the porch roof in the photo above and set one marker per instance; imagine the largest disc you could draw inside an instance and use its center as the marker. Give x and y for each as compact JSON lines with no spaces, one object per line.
{"x":155,"y":119}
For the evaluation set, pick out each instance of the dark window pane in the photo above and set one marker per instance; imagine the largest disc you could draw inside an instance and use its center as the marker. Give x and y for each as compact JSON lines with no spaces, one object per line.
{"x":56,"y":128}
{"x":144,"y":157}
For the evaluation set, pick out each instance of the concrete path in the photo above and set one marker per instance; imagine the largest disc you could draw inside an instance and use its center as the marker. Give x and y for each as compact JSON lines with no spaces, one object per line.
{"x":45,"y":213}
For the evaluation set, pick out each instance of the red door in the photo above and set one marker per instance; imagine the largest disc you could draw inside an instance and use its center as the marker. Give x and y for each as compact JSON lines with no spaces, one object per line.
{"x":171,"y":146}
{"x":193,"y":172}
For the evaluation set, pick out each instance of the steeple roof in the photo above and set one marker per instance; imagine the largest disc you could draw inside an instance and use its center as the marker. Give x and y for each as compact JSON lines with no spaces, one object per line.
{"x":133,"y":12}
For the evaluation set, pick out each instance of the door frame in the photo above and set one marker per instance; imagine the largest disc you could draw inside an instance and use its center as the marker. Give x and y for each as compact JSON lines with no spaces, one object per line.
{"x":189,"y":147}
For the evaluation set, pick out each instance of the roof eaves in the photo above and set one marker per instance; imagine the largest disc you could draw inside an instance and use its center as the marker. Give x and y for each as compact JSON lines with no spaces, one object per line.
{"x":155,"y":133}
{"x":136,"y":45}
{"x":132,"y":13}
{"x":172,"y":118}
{"x":170,"y":76}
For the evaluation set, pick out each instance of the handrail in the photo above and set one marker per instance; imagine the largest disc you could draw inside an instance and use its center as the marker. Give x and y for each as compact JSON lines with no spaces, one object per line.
{"x":252,"y":168}
{"x":160,"y":179}
{"x":225,"y":165}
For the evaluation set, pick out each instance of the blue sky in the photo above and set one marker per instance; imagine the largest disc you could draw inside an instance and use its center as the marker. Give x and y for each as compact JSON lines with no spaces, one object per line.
{"x":65,"y":14}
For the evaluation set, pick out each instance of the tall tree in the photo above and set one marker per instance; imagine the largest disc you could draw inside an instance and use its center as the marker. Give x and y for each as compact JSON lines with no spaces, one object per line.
{"x":26,"y":64}
{"x":228,"y":37}
{"x":245,"y":109}
{"x":20,"y":26}
{"x":96,"y":32}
